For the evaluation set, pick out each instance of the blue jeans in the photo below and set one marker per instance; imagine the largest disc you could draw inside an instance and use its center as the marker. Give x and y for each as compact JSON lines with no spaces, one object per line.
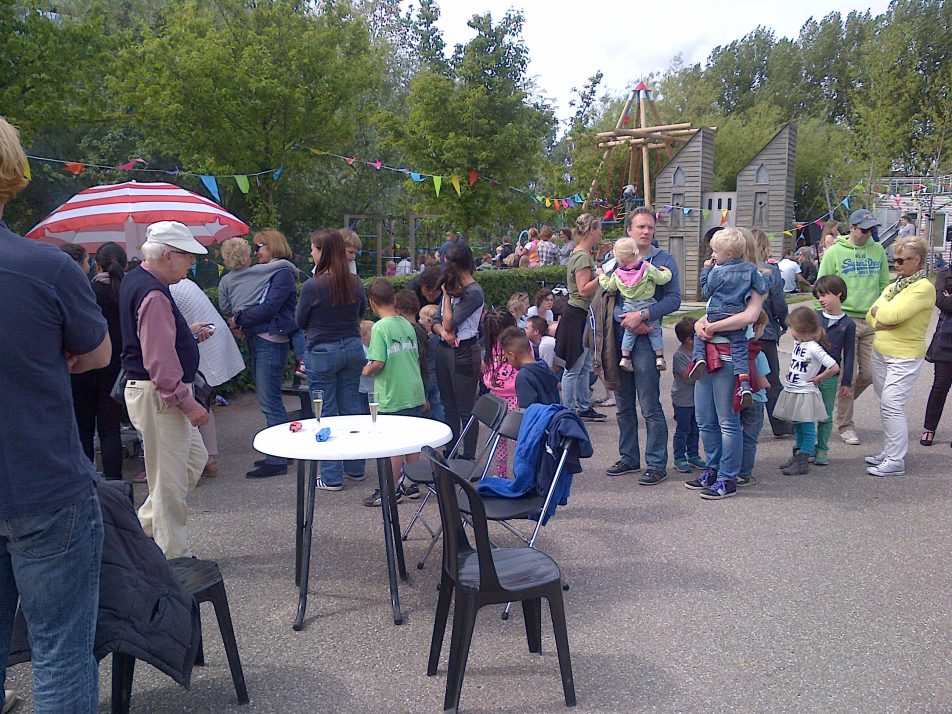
{"x":718,"y":423}
{"x":437,"y":411}
{"x":740,"y":354}
{"x":628,"y":337}
{"x":335,"y":368}
{"x":51,"y":563}
{"x":270,"y":361}
{"x":686,"y":433}
{"x":645,"y":384}
{"x":751,"y":422}
{"x":575,"y":384}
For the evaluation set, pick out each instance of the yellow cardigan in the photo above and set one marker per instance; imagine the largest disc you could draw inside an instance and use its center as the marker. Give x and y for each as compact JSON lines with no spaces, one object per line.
{"x":910,"y":311}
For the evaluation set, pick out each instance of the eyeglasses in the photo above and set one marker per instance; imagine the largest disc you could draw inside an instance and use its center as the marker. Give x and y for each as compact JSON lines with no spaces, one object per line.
{"x":180,"y":252}
{"x":865,"y":230}
{"x":258,"y":246}
{"x":901,"y":261}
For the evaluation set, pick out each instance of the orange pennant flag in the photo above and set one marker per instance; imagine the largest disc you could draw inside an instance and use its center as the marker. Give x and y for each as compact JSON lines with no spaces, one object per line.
{"x":74,"y":167}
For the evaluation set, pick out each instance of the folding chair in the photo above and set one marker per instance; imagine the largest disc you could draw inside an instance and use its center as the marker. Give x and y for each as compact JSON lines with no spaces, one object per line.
{"x":485,"y":576}
{"x":529,"y":507}
{"x":488,"y":411}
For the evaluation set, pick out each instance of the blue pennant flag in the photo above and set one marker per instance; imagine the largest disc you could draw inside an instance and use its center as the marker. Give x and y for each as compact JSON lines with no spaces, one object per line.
{"x":212,"y":185}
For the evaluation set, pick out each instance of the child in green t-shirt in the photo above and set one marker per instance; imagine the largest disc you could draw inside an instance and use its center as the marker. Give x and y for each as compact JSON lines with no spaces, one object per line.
{"x":393,"y":360}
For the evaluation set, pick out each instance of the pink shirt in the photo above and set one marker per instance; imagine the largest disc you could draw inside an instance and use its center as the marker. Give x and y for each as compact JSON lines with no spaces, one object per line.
{"x":156,"y":331}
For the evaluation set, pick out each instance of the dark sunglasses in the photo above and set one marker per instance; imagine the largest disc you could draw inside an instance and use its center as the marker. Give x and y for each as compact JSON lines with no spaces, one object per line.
{"x":258,"y":246}
{"x":900,"y":261}
{"x":865,"y":230}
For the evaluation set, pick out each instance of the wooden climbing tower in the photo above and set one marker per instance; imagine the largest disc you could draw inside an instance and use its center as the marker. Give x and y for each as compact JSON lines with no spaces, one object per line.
{"x":640,"y":139}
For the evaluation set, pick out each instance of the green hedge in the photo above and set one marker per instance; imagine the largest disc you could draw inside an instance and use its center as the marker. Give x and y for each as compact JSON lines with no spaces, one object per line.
{"x":498,"y":285}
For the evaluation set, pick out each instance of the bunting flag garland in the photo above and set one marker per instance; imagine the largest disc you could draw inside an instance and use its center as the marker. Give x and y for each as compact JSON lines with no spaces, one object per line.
{"x":723,"y":216}
{"x":242,"y":182}
{"x":74,"y":167}
{"x":705,"y":213}
{"x":455,"y":181}
{"x":437,"y":182}
{"x":212,"y":185}
{"x":472,"y":178}
{"x":415,"y":176}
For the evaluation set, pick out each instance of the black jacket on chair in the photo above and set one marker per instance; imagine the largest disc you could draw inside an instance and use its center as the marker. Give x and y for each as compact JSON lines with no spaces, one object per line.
{"x":143,"y":611}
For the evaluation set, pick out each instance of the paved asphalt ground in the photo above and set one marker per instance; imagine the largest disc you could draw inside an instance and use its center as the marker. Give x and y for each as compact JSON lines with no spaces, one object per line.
{"x":825,"y":592}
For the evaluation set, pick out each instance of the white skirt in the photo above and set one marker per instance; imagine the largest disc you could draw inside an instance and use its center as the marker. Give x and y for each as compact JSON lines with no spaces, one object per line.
{"x":800,"y":406}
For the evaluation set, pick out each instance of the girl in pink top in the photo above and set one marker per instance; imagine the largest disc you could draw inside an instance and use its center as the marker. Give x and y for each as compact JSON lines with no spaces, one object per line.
{"x":498,"y":375}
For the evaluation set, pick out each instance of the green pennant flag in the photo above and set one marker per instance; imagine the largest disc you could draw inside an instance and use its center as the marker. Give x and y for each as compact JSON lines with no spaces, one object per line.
{"x":437,"y":182}
{"x":705,"y":213}
{"x":242,"y":182}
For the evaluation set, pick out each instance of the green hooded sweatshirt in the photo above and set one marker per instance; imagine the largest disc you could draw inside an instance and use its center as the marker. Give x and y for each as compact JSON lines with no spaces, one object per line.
{"x":865,"y":271}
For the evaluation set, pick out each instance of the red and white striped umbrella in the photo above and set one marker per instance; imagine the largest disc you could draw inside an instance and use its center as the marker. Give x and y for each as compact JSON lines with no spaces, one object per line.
{"x":121,"y":213}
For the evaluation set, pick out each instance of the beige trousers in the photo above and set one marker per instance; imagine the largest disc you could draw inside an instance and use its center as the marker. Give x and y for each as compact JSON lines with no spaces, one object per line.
{"x":862,"y":375}
{"x":174,"y":459}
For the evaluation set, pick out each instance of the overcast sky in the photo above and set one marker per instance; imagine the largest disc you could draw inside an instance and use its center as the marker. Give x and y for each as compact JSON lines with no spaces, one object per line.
{"x":569,"y":41}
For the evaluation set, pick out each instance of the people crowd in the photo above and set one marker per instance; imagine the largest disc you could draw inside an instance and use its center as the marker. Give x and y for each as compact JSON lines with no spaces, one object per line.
{"x":434,"y":347}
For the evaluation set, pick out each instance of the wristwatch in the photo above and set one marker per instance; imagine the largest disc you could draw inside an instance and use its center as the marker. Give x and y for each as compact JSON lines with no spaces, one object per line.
{"x":644,"y":314}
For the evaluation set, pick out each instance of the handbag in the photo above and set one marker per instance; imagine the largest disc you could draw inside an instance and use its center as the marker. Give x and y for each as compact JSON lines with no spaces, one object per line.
{"x":202,"y":391}
{"x":118,"y":391}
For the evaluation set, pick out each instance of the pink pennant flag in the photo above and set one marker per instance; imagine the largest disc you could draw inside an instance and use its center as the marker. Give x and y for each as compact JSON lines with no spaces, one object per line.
{"x":377,"y":165}
{"x":350,"y":161}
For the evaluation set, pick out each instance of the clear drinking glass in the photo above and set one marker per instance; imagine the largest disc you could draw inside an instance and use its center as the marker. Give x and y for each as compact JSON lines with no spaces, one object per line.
{"x":317,"y":401}
{"x":374,"y":406}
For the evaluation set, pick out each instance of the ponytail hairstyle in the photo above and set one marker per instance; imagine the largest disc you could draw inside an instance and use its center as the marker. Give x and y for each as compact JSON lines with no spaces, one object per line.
{"x":459,"y":260}
{"x":111,"y":259}
{"x":584,"y":225}
{"x":805,"y":321}
{"x":495,"y":323}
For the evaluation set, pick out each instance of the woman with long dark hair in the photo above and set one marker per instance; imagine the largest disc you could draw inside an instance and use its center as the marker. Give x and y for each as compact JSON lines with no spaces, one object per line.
{"x":96,"y":411}
{"x":329,"y":309}
{"x":458,"y":357}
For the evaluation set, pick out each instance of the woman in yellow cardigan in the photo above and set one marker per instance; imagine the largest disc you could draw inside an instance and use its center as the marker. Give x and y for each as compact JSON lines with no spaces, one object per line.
{"x":900,"y":318}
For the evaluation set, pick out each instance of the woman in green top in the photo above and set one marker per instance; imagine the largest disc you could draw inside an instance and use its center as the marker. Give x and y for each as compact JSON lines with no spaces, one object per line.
{"x":582,"y":282}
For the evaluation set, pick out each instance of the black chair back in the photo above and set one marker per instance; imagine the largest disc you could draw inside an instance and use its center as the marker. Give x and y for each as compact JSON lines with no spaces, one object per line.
{"x":511,"y":424}
{"x":455,"y":541}
{"x":488,"y":410}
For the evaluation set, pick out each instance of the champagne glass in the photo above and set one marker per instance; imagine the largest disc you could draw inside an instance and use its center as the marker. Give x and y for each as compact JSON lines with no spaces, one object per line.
{"x":374,"y":406}
{"x":317,"y":401}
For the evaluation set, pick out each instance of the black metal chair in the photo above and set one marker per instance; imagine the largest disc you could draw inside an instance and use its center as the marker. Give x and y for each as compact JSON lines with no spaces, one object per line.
{"x":203,"y":580}
{"x":486,"y":576}
{"x":488,"y":411}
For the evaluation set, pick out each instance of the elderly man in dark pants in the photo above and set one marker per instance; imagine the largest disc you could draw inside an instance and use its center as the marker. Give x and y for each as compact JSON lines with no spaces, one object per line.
{"x":50,"y":524}
{"x":644,"y":383}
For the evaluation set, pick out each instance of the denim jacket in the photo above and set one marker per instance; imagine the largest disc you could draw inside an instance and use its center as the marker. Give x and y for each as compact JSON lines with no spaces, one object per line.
{"x":728,"y":286}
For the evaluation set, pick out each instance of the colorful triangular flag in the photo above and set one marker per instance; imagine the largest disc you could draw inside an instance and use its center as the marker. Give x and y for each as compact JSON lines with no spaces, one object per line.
{"x":74,"y":167}
{"x":686,"y":211}
{"x":416,"y":176}
{"x":437,"y":182}
{"x":277,"y":172}
{"x":242,"y":182}
{"x":705,"y":213}
{"x":455,"y":181}
{"x":212,"y":185}
{"x":472,"y":178}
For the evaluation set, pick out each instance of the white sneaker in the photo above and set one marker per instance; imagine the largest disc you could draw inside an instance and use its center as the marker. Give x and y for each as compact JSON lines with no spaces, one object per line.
{"x":9,"y":701}
{"x":887,"y":468}
{"x":875,"y":460}
{"x":849,"y":437}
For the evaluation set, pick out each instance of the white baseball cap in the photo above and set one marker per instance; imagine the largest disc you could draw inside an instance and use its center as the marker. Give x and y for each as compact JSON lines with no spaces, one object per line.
{"x":175,"y":235}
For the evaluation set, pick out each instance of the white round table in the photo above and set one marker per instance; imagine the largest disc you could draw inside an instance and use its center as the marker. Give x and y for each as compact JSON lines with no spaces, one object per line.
{"x":351,"y":437}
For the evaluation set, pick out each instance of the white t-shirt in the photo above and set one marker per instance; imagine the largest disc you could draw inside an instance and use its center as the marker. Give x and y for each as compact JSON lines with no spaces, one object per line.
{"x":547,"y":351}
{"x":533,"y":311}
{"x":807,"y":360}
{"x":789,"y":270}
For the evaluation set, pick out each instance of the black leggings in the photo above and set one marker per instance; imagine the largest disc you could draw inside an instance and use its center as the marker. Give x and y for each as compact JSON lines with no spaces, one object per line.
{"x":778,"y":426}
{"x":940,"y":390}
{"x":458,"y":373}
{"x":95,"y":412}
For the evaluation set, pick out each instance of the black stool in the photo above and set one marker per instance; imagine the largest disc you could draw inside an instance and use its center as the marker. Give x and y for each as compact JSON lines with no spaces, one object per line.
{"x":202,"y":579}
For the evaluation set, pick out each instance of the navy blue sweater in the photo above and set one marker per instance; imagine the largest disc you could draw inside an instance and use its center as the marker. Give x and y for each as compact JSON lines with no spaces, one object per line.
{"x":535,"y":384}
{"x":842,"y":338}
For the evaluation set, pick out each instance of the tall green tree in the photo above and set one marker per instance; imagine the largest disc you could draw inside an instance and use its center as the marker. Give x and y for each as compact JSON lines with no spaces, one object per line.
{"x":481,"y":117}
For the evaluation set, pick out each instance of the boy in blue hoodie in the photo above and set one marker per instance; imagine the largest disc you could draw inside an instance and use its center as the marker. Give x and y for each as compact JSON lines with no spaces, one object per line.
{"x":535,"y":383}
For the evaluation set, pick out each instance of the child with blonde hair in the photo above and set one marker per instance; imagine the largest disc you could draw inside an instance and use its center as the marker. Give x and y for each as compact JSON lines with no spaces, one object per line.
{"x":635,"y":279}
{"x":729,"y":277}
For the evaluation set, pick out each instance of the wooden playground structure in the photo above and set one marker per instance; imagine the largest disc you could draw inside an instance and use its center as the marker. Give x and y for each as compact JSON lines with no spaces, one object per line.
{"x":640,"y":140}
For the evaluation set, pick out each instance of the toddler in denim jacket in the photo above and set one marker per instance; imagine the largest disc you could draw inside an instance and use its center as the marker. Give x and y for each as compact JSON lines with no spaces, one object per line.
{"x":727,"y":281}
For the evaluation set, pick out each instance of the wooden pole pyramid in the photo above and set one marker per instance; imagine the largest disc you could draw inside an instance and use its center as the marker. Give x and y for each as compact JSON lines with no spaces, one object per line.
{"x":640,"y":139}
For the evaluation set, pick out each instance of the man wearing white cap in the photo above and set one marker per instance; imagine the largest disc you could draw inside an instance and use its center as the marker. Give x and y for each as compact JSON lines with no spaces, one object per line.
{"x":160,"y":356}
{"x":862,"y":264}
